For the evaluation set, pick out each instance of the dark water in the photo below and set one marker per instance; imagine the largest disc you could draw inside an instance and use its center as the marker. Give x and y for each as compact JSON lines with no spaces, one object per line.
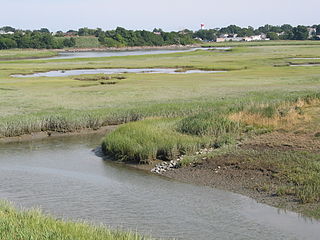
{"x":94,"y":54}
{"x":111,"y":71}
{"x":66,"y":178}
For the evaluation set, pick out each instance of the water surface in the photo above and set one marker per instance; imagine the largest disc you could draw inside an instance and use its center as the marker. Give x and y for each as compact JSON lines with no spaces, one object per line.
{"x":94,"y":54}
{"x":61,"y":73}
{"x":65,"y":177}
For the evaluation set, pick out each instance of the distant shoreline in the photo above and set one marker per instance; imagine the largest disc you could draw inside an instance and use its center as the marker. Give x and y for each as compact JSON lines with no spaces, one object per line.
{"x":55,"y":52}
{"x":103,"y":49}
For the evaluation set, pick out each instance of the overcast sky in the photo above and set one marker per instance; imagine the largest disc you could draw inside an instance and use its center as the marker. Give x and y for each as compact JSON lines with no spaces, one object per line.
{"x":148,"y":14}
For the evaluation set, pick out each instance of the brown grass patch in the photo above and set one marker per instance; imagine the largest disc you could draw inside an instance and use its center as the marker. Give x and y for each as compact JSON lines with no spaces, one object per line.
{"x":285,"y":116}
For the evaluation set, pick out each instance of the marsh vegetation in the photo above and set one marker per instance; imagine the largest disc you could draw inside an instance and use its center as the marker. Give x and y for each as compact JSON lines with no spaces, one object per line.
{"x":33,"y":224}
{"x":167,"y":115}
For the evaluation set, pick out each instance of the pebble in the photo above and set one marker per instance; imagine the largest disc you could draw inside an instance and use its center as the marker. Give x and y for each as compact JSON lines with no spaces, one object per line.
{"x":166,"y":166}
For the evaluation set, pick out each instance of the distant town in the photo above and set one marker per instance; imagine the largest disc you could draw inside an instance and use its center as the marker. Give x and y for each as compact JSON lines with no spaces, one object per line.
{"x":11,"y":37}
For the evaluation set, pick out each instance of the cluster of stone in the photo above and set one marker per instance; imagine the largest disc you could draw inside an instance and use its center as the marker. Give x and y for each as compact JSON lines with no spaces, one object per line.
{"x":166,"y":166}
{"x":161,"y":168}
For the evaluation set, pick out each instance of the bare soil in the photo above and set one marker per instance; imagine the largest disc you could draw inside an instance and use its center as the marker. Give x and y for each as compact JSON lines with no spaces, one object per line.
{"x":230,"y":172}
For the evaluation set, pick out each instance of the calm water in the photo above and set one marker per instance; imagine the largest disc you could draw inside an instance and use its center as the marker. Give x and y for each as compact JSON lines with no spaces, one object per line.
{"x":65,"y":177}
{"x":305,"y":65}
{"x":111,"y":71}
{"x":94,"y":54}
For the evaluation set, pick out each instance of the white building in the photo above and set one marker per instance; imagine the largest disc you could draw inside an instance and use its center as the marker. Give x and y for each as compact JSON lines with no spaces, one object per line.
{"x":312,"y":32}
{"x":3,"y":32}
{"x":235,"y":38}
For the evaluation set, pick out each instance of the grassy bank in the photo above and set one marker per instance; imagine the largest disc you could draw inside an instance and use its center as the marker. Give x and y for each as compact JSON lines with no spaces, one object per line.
{"x":166,"y":138}
{"x":25,"y":53}
{"x":87,"y":42}
{"x":278,"y":164}
{"x":32,"y":224}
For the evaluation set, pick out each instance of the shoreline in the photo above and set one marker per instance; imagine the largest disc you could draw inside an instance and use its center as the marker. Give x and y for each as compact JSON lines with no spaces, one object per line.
{"x":232,"y":183}
{"x":51,"y":134}
{"x":247,"y":182}
{"x":99,"y":49}
{"x":115,"y":49}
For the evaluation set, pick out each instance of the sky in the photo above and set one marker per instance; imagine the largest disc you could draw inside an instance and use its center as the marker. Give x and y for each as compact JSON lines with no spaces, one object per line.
{"x":170,"y":15}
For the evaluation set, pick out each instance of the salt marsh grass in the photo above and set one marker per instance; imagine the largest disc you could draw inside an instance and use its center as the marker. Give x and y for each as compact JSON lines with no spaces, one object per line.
{"x":33,"y":224}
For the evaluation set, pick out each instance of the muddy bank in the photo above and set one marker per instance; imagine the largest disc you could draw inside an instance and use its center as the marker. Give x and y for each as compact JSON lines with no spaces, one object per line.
{"x":233,"y":172}
{"x":51,"y":134}
{"x":248,"y":182}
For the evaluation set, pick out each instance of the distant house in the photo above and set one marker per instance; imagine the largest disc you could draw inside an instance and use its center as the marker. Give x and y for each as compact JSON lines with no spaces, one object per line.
{"x":253,"y":38}
{"x":312,"y":32}
{"x":157,"y":33}
{"x":3,"y":32}
{"x":220,"y":39}
{"x":229,"y":38}
{"x":235,"y":38}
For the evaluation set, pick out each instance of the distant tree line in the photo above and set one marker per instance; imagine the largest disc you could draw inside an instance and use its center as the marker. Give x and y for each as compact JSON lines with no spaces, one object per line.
{"x":120,"y":37}
{"x":283,"y":32}
{"x":38,"y":39}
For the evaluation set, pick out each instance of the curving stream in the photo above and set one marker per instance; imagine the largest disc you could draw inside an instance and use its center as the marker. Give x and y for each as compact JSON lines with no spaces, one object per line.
{"x":66,"y":178}
{"x":61,"y":73}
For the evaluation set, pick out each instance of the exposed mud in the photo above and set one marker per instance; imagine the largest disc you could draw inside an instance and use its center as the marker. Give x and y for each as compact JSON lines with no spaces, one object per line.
{"x":232,"y":173}
{"x":47,"y":134}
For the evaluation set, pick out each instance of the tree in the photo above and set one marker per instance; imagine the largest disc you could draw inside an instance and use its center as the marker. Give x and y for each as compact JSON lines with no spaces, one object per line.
{"x":44,"y":30}
{"x":59,"y":34}
{"x":286,"y":27}
{"x":318,"y":29}
{"x":300,"y":33}
{"x":7,"y":43}
{"x":83,"y":31}
{"x":69,"y":42}
{"x":8,"y":29}
{"x":272,"y":36}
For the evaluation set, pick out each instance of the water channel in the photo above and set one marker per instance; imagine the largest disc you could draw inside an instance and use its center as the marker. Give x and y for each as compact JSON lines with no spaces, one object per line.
{"x":67,"y":178}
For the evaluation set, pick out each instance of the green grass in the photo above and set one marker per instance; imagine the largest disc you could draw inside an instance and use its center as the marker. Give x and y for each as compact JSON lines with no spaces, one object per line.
{"x":25,"y":53}
{"x":84,"y":42}
{"x":166,"y":138}
{"x":32,"y":224}
{"x":150,"y":139}
{"x":87,"y":42}
{"x":33,"y":104}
